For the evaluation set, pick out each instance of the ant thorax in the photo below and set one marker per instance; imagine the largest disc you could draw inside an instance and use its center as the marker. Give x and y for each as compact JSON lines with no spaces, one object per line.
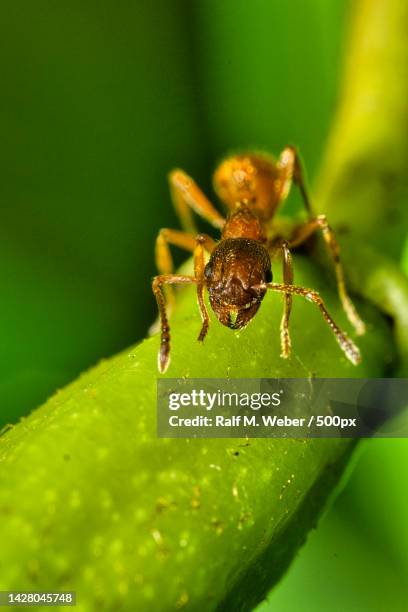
{"x":244,"y":223}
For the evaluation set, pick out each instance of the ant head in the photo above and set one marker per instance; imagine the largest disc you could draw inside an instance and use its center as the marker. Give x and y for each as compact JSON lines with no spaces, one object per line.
{"x":236,"y":269}
{"x":247,"y":178}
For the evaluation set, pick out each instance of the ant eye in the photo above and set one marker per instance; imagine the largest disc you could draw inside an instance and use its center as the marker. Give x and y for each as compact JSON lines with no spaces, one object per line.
{"x":208,"y":271}
{"x":268,"y":276}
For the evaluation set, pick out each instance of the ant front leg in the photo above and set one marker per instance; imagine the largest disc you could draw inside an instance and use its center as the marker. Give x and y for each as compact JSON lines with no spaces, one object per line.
{"x":165,"y":238}
{"x":199,"y":265}
{"x":302,"y":234}
{"x":348,"y":347}
{"x":157,"y":285}
{"x":183,"y":240}
{"x":201,"y":242}
{"x":287,"y":273}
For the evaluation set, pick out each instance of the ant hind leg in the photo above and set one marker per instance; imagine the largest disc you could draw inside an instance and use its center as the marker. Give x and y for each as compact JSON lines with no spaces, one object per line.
{"x":302,"y":234}
{"x":290,"y":168}
{"x":187,"y":196}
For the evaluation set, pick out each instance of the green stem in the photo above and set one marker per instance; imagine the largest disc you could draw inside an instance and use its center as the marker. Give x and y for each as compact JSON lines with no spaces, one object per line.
{"x":363,"y":180}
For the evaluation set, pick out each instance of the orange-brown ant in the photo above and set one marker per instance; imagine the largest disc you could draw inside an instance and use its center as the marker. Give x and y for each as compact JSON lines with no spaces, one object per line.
{"x":238,"y":272}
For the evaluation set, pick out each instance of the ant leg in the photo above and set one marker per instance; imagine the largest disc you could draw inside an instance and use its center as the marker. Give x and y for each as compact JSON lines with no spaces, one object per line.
{"x":164,"y":260}
{"x":348,"y":347}
{"x":287,"y":279}
{"x":157,"y":284}
{"x":188,"y":196}
{"x":287,"y":273}
{"x":290,"y":170}
{"x":302,"y":234}
{"x":199,"y":265}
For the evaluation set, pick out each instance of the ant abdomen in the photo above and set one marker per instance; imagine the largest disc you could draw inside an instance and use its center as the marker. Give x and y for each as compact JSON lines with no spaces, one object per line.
{"x":250,"y":179}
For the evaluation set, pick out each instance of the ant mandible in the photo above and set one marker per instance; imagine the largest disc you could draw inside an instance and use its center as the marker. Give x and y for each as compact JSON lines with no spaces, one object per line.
{"x":238,"y":272}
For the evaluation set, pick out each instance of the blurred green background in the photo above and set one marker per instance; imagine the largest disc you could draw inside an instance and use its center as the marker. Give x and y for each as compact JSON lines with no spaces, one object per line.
{"x":99,"y":101}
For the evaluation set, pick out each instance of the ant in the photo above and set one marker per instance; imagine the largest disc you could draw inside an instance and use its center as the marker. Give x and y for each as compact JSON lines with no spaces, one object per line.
{"x":238,"y":273}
